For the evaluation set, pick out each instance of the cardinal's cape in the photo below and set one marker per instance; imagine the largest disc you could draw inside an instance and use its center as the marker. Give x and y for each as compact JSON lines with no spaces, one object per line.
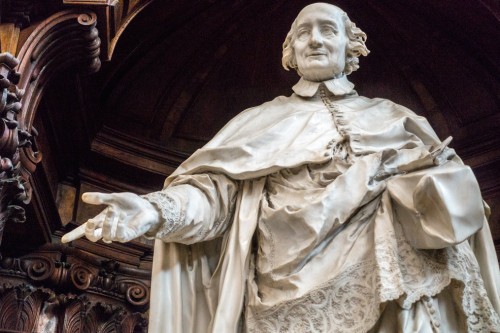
{"x":190,"y":294}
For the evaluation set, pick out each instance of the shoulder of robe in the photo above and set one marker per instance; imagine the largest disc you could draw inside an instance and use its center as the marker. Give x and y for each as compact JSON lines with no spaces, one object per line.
{"x":230,"y":143}
{"x":378,"y":106}
{"x":251,"y":116}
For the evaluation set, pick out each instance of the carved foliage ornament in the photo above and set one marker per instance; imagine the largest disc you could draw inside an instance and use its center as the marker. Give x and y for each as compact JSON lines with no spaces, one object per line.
{"x":14,"y":190}
{"x":24,"y":308}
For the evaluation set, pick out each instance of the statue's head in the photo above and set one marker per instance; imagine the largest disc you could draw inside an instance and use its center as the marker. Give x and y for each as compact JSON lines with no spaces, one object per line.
{"x":323,"y":43}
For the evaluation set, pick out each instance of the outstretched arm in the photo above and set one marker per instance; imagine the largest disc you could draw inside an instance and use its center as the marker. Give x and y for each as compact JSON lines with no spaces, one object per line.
{"x":192,"y":209}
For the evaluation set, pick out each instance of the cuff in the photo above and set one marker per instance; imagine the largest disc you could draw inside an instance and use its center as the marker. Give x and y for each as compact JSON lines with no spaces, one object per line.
{"x":170,"y":211}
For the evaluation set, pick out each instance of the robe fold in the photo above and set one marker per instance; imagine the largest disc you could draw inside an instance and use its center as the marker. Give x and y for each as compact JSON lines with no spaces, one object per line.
{"x":406,"y":214}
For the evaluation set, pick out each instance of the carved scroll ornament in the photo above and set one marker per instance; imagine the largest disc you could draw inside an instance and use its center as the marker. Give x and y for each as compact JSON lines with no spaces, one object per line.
{"x":67,"y":40}
{"x":72,"y":290}
{"x":64,"y":269}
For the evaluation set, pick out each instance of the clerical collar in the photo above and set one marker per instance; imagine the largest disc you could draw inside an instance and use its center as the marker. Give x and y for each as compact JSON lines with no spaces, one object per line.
{"x":337,"y":86}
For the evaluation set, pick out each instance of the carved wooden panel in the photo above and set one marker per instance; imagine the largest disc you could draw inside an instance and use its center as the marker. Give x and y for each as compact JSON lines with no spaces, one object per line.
{"x":61,"y":289}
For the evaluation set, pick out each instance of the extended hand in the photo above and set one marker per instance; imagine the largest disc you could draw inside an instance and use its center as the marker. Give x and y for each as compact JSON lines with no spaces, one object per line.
{"x":127,"y":216}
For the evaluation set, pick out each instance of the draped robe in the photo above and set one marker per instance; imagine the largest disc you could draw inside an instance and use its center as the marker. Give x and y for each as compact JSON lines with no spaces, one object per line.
{"x":425,"y":233}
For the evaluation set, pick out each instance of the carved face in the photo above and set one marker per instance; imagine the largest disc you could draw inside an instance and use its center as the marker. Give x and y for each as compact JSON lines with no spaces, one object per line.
{"x":320,"y":42}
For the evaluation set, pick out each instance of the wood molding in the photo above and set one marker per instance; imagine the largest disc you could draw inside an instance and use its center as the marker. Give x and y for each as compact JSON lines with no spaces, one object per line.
{"x":129,"y":150}
{"x":67,"y":39}
{"x":83,"y":292}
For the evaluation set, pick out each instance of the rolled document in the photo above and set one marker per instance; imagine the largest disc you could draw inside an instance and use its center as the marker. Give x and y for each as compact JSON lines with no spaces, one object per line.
{"x":74,"y":234}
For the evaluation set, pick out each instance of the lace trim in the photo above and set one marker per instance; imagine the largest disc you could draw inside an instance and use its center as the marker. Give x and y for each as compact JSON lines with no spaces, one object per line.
{"x":405,"y":273}
{"x":345,"y":302}
{"x":481,"y":317}
{"x":456,"y":263}
{"x":171,"y":213}
{"x":350,"y":302}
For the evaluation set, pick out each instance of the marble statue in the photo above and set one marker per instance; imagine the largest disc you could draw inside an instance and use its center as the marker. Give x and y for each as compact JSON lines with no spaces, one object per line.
{"x":323,"y":211}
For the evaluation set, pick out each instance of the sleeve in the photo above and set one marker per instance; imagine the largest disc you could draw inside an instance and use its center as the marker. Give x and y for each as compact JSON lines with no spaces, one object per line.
{"x":194,"y":208}
{"x":438,"y":206}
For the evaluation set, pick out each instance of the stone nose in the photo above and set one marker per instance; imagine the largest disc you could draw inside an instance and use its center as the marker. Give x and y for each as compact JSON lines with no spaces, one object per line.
{"x":315,"y":39}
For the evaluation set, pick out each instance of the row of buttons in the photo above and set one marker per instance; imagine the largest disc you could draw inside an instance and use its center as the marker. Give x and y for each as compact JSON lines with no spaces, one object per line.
{"x":434,"y":314}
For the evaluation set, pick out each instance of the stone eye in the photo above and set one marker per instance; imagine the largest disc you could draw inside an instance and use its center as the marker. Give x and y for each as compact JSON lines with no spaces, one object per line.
{"x":303,"y":34}
{"x":328,"y":31}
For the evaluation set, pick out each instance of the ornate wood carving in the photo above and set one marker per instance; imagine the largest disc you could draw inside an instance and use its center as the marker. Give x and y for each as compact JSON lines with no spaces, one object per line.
{"x":25,"y":308}
{"x":73,"y":291}
{"x":67,"y":39}
{"x":113,"y":17}
{"x":13,"y":187}
{"x":20,"y":307}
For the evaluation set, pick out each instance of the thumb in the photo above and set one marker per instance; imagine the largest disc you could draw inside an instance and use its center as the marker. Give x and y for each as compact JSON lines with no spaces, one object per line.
{"x":97,"y":198}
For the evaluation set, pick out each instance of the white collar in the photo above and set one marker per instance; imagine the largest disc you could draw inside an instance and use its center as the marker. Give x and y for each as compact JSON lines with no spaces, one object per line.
{"x":337,"y":86}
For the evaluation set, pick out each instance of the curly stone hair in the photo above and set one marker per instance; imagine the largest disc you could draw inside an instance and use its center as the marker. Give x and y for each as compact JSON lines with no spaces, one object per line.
{"x":355,"y":46}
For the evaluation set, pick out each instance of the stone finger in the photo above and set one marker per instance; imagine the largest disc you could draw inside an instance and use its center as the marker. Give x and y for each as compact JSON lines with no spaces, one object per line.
{"x":109,"y":224}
